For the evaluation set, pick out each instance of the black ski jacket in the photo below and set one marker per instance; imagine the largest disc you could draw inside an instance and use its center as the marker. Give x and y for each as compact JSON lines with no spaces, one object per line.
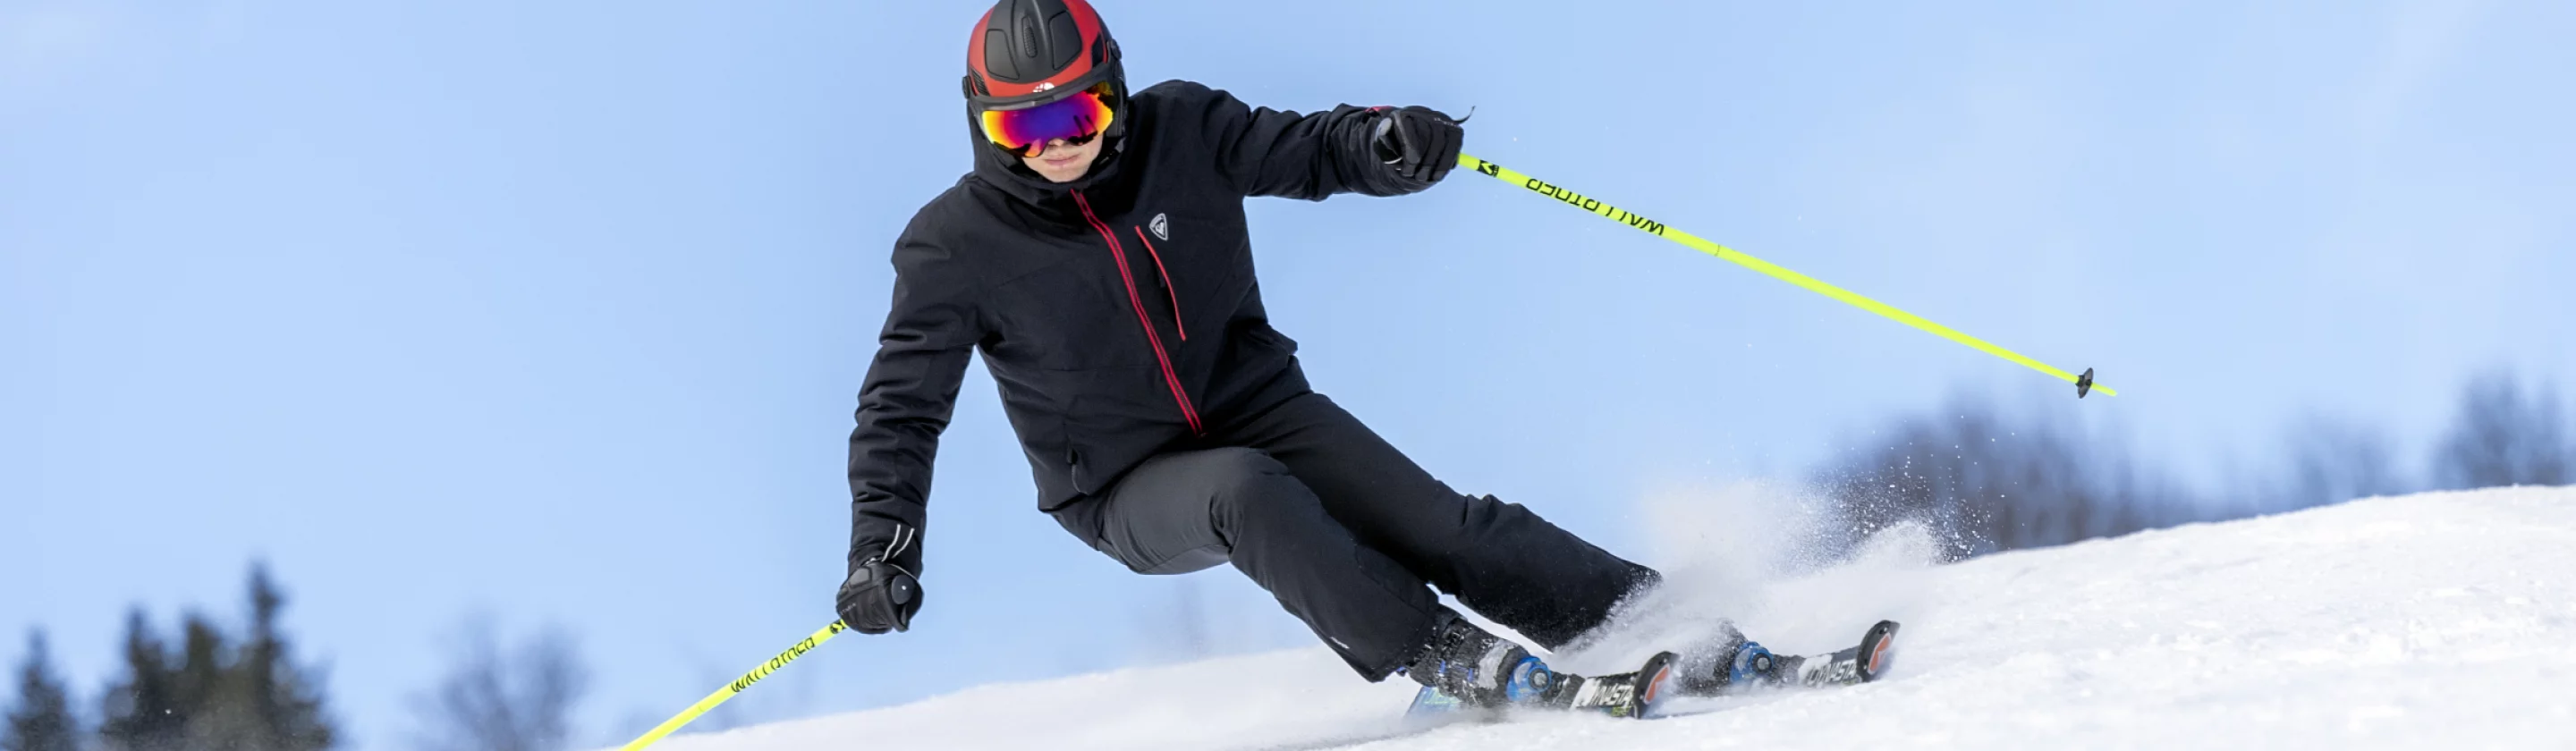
{"x":1118,"y":314}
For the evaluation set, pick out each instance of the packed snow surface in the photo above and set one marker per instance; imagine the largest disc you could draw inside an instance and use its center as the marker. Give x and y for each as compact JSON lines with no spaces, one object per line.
{"x":2444,"y":620}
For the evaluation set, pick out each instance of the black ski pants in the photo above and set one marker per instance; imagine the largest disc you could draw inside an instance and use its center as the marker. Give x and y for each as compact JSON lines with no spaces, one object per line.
{"x":1345,"y":531}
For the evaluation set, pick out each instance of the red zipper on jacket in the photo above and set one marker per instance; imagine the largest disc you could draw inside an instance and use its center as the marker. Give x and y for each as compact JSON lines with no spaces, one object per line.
{"x":1170,"y":377}
{"x":1168,"y":289}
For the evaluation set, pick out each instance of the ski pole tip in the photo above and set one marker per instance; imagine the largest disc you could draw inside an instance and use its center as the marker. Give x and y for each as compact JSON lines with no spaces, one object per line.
{"x":2084,"y":383}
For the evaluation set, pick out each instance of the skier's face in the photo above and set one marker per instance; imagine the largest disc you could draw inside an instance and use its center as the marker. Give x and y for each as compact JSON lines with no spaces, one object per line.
{"x":1063,"y":162}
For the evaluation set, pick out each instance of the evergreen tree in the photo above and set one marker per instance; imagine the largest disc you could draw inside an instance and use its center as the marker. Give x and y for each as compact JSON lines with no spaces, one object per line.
{"x":218,"y":693}
{"x":42,"y":719}
{"x":252,"y":696}
{"x":207,"y":685}
{"x":143,"y":709}
{"x":202,"y":665}
{"x":283,"y":698}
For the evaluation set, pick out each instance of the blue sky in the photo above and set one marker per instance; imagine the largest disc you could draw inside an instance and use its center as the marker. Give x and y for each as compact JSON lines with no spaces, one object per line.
{"x":556,"y":311}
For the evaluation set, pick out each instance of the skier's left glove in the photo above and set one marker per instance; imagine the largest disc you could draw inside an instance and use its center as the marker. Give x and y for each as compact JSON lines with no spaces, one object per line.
{"x":1419,"y":145}
{"x":879,"y":596}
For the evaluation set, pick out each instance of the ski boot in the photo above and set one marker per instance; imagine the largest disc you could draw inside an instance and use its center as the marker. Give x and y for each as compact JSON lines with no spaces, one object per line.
{"x":1465,"y":669}
{"x":1733,"y":664}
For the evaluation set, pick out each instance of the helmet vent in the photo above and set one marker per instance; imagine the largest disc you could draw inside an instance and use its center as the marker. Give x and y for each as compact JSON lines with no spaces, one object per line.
{"x":997,"y":59}
{"x":1028,"y":36}
{"x":1066,"y":41}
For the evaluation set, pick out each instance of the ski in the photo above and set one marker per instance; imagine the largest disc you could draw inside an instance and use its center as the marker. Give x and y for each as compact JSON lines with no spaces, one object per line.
{"x":1750,"y":667}
{"x":1630,"y":695}
{"x":1861,"y":664}
{"x":1636,"y":694}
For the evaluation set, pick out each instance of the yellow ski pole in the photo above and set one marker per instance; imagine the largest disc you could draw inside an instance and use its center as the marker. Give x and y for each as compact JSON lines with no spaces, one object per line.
{"x":2083,"y":383}
{"x":738,"y":685}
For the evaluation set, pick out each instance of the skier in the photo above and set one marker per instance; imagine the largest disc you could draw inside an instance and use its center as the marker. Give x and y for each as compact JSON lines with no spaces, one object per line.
{"x":1098,"y":257}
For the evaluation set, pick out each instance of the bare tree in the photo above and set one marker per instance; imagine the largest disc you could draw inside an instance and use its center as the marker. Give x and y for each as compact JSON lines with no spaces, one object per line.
{"x":2505,"y":436}
{"x":494,"y":699}
{"x":723,"y":717}
{"x":1175,"y":625}
{"x":1189,"y":609}
{"x":2332,"y":460}
{"x":1990,"y":483}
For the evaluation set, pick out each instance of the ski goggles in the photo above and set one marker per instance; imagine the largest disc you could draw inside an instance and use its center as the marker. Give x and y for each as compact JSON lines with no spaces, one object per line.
{"x":1077,"y":119}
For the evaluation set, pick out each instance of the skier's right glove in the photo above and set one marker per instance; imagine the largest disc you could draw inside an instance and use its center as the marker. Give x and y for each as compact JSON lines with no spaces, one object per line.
{"x":879,"y":596}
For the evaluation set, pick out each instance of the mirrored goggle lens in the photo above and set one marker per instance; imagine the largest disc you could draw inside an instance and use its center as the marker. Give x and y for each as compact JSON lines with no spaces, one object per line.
{"x":1076,"y":119}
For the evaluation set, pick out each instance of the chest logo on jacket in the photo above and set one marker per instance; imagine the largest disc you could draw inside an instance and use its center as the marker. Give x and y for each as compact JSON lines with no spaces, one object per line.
{"x":1162,"y":228}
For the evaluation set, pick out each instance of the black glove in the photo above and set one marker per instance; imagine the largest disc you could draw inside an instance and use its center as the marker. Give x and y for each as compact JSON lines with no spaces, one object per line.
{"x":1418,"y":144}
{"x":879,"y":596}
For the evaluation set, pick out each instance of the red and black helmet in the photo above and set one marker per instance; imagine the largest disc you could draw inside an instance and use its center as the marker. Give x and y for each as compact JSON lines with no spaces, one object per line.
{"x":1027,"y":53}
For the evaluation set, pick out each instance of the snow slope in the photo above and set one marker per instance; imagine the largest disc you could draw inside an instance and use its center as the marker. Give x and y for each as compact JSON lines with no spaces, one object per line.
{"x":2438,"y":620}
